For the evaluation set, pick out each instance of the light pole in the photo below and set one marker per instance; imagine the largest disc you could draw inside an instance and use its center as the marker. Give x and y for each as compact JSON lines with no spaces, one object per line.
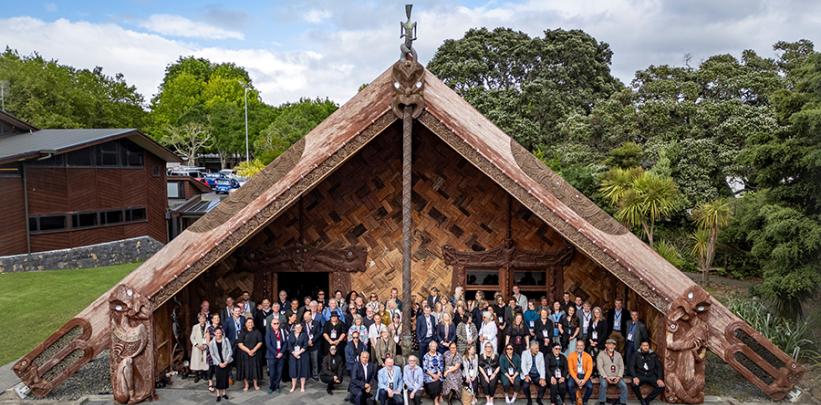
{"x":247,"y":153}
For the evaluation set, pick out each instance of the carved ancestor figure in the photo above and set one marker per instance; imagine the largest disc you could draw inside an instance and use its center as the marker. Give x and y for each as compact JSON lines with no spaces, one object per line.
{"x":408,"y":74}
{"x":132,"y":347}
{"x":685,"y":344}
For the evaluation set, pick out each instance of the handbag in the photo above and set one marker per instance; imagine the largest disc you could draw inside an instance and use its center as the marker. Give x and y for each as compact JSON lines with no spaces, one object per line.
{"x":467,"y":395}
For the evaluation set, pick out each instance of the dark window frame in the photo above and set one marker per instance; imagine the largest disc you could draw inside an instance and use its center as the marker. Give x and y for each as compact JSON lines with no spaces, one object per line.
{"x":141,"y":213}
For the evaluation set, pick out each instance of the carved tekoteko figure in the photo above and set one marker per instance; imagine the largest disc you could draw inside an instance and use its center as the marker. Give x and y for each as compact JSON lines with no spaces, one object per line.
{"x":132,"y":346}
{"x":408,"y":74}
{"x":686,"y":339}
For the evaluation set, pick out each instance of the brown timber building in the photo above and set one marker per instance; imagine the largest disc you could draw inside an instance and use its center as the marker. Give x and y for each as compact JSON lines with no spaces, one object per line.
{"x":63,"y":188}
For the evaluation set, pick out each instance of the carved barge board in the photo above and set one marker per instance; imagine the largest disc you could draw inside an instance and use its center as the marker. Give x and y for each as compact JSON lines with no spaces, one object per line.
{"x":591,"y":231}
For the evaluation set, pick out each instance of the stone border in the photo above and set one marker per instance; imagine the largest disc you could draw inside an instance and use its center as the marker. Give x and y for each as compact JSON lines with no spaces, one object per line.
{"x":101,"y":254}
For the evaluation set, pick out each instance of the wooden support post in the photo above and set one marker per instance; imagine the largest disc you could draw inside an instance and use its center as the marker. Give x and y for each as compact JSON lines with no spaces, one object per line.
{"x":407,"y":129}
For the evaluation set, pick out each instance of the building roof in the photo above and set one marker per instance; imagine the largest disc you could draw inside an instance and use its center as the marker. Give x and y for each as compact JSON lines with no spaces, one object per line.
{"x":303,"y":166}
{"x":33,"y":145}
{"x":17,"y":123}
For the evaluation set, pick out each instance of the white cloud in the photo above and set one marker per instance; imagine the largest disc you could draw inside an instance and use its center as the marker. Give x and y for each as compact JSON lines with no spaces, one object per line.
{"x":178,"y":26}
{"x":315,"y":16}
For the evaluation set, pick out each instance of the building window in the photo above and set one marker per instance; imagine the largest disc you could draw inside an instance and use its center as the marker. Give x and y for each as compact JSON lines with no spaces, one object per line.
{"x":481,"y":277}
{"x":111,"y":217}
{"x":175,"y":189}
{"x":108,"y":154}
{"x":134,"y":214}
{"x":132,"y":155}
{"x":84,"y":220}
{"x":47,"y":223}
{"x":530,"y":278}
{"x":82,"y":157}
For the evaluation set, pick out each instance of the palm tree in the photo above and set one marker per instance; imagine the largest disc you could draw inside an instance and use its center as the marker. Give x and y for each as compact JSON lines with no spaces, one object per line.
{"x":648,"y":199}
{"x":710,"y":217}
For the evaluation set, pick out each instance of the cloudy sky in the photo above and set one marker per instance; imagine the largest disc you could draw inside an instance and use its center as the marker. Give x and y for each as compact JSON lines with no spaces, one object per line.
{"x":328,"y":48}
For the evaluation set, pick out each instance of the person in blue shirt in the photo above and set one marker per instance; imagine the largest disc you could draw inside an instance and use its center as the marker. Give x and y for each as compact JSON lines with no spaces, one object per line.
{"x":413,"y":379}
{"x":389,"y":386}
{"x":332,"y":308}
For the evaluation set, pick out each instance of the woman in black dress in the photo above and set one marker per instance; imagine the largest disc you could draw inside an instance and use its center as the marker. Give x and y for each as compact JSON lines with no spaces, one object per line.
{"x":517,"y":334}
{"x":299,"y":364}
{"x":249,"y":343}
{"x":489,"y":371}
{"x":221,"y":357}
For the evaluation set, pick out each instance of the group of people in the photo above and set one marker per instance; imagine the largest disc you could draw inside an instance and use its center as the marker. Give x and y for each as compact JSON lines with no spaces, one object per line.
{"x":458,"y":345}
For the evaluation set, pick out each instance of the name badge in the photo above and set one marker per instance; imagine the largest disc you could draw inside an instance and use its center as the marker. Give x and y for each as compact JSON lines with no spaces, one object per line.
{"x":296,"y":348}
{"x":333,"y":334}
{"x":510,"y":370}
{"x":557,"y":373}
{"x":544,"y":333}
{"x":595,"y":335}
{"x":645,"y":367}
{"x":630,"y":337}
{"x":500,"y":319}
{"x":580,"y":370}
{"x":279,"y":345}
{"x":532,"y":324}
{"x":612,"y":368}
{"x":489,"y":371}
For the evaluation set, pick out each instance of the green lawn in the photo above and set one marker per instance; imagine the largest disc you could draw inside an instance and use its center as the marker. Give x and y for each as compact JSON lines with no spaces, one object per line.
{"x":34,"y":305}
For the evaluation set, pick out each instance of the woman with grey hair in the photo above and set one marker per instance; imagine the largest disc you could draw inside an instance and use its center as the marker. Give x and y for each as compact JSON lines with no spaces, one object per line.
{"x":488,"y":331}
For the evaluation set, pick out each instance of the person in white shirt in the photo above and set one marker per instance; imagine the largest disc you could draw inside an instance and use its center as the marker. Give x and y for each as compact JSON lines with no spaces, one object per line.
{"x":375,"y":330}
{"x":488,"y":331}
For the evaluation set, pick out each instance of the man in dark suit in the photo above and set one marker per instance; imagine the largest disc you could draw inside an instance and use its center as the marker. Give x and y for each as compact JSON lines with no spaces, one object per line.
{"x":276,"y":340}
{"x":363,"y":380}
{"x":636,"y":333}
{"x":617,"y":322}
{"x":434,"y":297}
{"x":228,"y":311}
{"x":232,"y":327}
{"x":425,"y":329}
{"x":314,"y":331}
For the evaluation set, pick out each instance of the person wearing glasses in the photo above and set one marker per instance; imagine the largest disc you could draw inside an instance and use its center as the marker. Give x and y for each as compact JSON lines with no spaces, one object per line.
{"x":510,"y":364}
{"x":489,"y":372}
{"x":332,"y":369}
{"x":556,"y":364}
{"x":276,"y":342}
{"x":413,"y":377}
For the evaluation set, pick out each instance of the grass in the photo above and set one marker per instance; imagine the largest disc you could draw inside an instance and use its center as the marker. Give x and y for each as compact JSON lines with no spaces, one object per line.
{"x":35,"y":304}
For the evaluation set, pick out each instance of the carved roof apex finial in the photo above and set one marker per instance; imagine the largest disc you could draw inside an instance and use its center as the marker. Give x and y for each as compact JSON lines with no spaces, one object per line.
{"x":407,"y":30}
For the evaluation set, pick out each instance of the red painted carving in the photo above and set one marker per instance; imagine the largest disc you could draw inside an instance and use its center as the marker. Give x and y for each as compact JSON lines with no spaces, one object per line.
{"x":132,"y":346}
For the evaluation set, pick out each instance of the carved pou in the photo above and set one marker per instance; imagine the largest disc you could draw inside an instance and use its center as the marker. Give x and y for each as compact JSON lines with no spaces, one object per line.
{"x":132,"y":346}
{"x":686,"y":344}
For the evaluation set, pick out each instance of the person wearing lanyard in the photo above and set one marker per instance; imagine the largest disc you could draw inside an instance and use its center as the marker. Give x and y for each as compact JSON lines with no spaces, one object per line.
{"x":470,"y":370}
{"x":556,"y":365}
{"x":556,"y":316}
{"x":313,"y":330}
{"x":646,"y":369}
{"x":489,"y":371}
{"x":617,"y":323}
{"x":466,"y":334}
{"x":533,"y":372}
{"x":585,"y":317}
{"x":390,"y":384}
{"x":580,"y":365}
{"x":636,"y":333}
{"x":611,"y":372}
{"x":275,"y":342}
{"x":425,"y":328}
{"x":332,"y":370}
{"x":510,"y":364}
{"x":412,"y":376}
{"x":544,"y":331}
{"x":530,"y":316}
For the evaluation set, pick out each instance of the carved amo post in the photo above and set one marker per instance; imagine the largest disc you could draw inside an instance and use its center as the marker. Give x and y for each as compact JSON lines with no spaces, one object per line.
{"x":131,"y":355}
{"x":685,"y":346}
{"x":407,"y":104}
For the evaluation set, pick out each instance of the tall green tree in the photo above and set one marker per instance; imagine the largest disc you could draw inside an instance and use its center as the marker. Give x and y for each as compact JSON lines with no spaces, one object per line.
{"x":213,"y":95}
{"x":50,"y":95}
{"x":710,"y":218}
{"x":527,"y":86}
{"x":291,"y":122}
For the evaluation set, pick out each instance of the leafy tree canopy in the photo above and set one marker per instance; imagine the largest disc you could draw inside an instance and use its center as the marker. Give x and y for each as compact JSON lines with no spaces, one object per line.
{"x":50,"y":95}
